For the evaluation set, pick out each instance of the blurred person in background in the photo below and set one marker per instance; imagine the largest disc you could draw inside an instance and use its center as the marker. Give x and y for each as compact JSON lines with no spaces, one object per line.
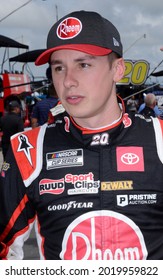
{"x":132,"y":104}
{"x":10,"y":124}
{"x":41,"y":110}
{"x":155,"y":108}
{"x":150,"y":103}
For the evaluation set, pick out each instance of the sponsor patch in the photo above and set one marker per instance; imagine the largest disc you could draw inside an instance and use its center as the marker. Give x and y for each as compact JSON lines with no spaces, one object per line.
{"x":51,"y":186}
{"x":86,"y":238}
{"x":130,"y":159}
{"x":57,"y":110}
{"x":67,"y":124}
{"x":116,"y":185}
{"x":70,"y":205}
{"x":126,"y":120}
{"x":69,"y":28}
{"x":80,"y":184}
{"x":136,"y":199}
{"x":66,"y":158}
{"x":25,"y":146}
{"x":83,"y":183}
{"x":5,"y":166}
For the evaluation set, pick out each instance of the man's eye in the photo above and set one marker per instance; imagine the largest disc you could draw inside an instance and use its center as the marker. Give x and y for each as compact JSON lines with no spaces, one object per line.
{"x":58,"y":68}
{"x":84,"y":65}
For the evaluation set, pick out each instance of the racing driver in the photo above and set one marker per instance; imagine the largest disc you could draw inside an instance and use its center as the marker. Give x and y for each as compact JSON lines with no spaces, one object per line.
{"x":91,"y":180}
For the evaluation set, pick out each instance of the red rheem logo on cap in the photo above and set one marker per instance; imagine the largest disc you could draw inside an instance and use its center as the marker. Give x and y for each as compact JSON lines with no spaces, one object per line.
{"x":69,"y":28}
{"x":103,"y":235}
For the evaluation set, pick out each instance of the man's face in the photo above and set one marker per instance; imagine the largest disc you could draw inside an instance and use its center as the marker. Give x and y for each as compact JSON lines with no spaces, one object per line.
{"x":17,"y":110}
{"x":84,"y":84}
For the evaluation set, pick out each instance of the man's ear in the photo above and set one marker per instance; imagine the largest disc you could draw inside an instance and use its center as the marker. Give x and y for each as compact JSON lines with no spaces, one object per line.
{"x":119,"y":69}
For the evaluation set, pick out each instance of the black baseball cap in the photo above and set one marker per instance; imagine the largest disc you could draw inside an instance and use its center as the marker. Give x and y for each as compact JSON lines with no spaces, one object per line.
{"x":83,"y":31}
{"x":14,"y":104}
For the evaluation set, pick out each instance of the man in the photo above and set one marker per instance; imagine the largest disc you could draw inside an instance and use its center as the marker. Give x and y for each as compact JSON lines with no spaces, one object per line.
{"x":132,"y":104}
{"x":41,"y":110}
{"x":10,"y":124}
{"x":87,"y":176}
{"x":150,"y":103}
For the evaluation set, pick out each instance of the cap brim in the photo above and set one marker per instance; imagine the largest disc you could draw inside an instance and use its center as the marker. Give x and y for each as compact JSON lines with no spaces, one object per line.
{"x":90,"y":49}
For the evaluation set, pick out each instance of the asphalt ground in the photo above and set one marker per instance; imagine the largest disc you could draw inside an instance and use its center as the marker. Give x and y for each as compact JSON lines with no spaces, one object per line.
{"x":30,"y":247}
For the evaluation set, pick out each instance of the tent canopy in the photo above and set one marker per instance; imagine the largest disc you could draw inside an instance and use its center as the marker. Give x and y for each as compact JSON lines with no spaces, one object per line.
{"x":10,"y":43}
{"x":157,"y":74}
{"x":30,"y":56}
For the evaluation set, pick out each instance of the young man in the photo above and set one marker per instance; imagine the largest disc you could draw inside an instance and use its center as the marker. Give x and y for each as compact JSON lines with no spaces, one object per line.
{"x":93,"y":178}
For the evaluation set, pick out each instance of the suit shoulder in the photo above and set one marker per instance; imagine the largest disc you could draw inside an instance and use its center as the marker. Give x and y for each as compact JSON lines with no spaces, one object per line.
{"x":27,"y":147}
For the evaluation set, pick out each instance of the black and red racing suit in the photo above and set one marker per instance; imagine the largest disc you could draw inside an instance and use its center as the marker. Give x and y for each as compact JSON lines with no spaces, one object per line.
{"x":93,"y":194}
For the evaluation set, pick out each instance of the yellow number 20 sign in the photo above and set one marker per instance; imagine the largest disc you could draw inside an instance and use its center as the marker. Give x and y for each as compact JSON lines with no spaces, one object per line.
{"x":136,"y":72}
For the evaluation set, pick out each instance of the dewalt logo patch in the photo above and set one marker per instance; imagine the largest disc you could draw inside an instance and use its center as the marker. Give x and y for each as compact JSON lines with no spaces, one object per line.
{"x":116,"y":185}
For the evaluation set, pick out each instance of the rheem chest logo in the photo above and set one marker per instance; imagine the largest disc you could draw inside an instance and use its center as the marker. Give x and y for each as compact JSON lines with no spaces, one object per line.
{"x":103,"y":235}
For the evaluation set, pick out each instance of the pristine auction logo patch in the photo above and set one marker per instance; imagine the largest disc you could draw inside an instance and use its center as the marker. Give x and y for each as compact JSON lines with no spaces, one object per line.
{"x":136,"y":199}
{"x":65,"y":158}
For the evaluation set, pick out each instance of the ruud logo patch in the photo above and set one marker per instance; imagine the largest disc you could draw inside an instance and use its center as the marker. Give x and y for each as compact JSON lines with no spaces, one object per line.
{"x":65,"y":158}
{"x":51,"y":186}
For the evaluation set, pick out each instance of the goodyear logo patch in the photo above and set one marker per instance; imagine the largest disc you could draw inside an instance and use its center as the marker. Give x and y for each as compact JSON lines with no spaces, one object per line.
{"x":116,"y":185}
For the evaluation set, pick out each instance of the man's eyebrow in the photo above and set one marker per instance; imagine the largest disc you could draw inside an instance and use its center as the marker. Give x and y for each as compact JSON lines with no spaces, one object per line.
{"x":87,"y":56}
{"x":55,"y":61}
{"x":79,"y":59}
